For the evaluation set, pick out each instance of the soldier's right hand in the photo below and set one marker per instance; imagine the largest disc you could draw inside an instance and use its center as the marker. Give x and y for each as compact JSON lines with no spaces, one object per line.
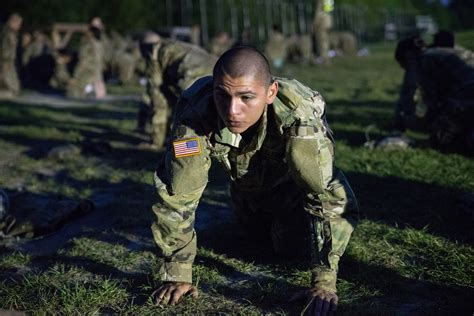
{"x":171,"y":292}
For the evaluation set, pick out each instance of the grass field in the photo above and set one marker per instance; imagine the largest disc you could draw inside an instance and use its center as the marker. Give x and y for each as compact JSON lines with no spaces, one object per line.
{"x":411,"y":254}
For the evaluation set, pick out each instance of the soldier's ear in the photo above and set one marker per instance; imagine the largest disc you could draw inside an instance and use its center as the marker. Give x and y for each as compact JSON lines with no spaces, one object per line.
{"x":272,"y":91}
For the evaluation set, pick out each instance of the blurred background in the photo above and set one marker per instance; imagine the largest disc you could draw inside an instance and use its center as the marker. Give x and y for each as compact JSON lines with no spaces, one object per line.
{"x":370,"y":20}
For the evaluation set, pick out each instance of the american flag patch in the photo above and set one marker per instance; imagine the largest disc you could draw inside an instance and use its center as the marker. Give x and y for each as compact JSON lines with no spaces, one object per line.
{"x":187,"y":147}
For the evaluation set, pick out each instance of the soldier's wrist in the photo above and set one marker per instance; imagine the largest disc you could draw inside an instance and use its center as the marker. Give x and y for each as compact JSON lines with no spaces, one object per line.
{"x":175,"y":272}
{"x":324,"y":278}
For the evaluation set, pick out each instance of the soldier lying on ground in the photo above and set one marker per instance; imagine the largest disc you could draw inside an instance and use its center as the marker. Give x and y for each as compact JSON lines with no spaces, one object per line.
{"x":272,"y":137}
{"x":29,"y":215}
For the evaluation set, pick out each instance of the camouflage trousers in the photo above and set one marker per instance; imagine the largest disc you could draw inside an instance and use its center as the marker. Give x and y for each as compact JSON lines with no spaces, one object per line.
{"x":278,"y":215}
{"x":9,"y":78}
{"x":452,"y":130}
{"x":320,"y":237}
{"x":322,"y":44}
{"x":60,"y":78}
{"x":154,"y":116}
{"x":82,"y":86}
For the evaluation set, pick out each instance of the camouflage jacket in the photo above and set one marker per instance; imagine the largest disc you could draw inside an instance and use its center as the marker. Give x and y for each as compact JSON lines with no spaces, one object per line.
{"x":465,"y":54}
{"x":8,"y":45}
{"x":443,"y":78}
{"x":440,"y":74}
{"x":35,"y":49}
{"x":91,"y":59}
{"x":293,"y":143}
{"x":176,"y":65}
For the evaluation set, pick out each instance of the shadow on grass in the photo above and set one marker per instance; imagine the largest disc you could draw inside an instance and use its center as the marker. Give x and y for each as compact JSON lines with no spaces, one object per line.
{"x":73,"y":119}
{"x":406,"y":203}
{"x":395,"y":294}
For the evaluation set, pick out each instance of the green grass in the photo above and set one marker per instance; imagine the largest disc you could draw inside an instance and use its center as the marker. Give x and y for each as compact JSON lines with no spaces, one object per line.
{"x":411,"y":253}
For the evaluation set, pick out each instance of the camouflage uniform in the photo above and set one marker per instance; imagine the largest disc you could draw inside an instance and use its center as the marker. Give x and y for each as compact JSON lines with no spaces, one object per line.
{"x":107,"y":51}
{"x":408,"y":101}
{"x":306,"y":47}
{"x":276,"y":49}
{"x":465,"y":54}
{"x":283,"y":179}
{"x":172,"y":66}
{"x":446,"y":84}
{"x":447,"y":88}
{"x":61,"y":75}
{"x":344,"y":43}
{"x":89,"y":68}
{"x":217,"y":47}
{"x":38,"y":47}
{"x":406,"y":105}
{"x":126,"y":61}
{"x":300,"y":48}
{"x":322,"y":24}
{"x":8,"y":74}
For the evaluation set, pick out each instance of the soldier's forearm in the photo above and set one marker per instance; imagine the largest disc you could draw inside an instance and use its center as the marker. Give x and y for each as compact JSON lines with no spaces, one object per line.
{"x":330,"y":237}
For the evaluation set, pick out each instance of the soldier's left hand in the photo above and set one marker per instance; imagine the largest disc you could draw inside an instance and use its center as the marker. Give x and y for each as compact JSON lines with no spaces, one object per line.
{"x":319,"y":302}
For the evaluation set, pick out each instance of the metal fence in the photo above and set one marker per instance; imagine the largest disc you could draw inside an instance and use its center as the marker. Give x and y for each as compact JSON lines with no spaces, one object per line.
{"x":293,"y":16}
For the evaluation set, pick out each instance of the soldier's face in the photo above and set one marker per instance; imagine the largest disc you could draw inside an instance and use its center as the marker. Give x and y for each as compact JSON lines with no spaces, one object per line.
{"x":241,"y":101}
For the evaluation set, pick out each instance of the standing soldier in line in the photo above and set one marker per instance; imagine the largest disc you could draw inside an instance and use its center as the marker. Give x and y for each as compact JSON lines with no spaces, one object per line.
{"x":88,"y":75}
{"x":272,"y":137}
{"x":172,"y":66}
{"x":322,"y":25}
{"x":8,"y":48}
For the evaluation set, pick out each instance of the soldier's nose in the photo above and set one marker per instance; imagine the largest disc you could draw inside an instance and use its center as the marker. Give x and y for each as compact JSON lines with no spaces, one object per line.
{"x":234,"y":107}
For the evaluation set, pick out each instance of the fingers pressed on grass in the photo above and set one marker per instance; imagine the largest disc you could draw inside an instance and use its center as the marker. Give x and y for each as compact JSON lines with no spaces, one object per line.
{"x":175,"y":296}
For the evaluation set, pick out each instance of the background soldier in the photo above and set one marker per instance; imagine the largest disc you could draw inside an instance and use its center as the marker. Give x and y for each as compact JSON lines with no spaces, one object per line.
{"x":446,"y":83}
{"x":445,"y":39}
{"x":220,"y":43}
{"x":344,"y":43}
{"x":8,"y":47}
{"x":322,"y":25}
{"x":272,"y":138}
{"x":88,"y":75}
{"x":37,"y":62}
{"x":276,"y":48}
{"x":172,"y":66}
{"x":61,"y":75}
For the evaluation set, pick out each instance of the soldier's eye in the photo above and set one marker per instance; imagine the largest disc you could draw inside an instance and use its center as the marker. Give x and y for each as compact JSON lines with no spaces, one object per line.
{"x":247,"y":98}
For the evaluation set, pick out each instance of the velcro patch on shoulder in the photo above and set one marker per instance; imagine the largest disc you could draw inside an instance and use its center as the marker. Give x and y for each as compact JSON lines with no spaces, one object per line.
{"x":307,"y":131}
{"x":187,"y":147}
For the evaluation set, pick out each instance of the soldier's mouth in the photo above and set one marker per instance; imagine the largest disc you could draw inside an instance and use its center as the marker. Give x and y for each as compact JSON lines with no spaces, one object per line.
{"x":234,"y":123}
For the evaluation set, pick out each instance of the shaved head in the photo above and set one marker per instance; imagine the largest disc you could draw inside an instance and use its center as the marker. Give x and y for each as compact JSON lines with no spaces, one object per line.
{"x":243,"y":61}
{"x":151,"y":37}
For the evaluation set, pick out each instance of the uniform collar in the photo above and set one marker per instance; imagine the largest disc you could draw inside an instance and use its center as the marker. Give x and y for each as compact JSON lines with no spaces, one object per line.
{"x":226,"y":137}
